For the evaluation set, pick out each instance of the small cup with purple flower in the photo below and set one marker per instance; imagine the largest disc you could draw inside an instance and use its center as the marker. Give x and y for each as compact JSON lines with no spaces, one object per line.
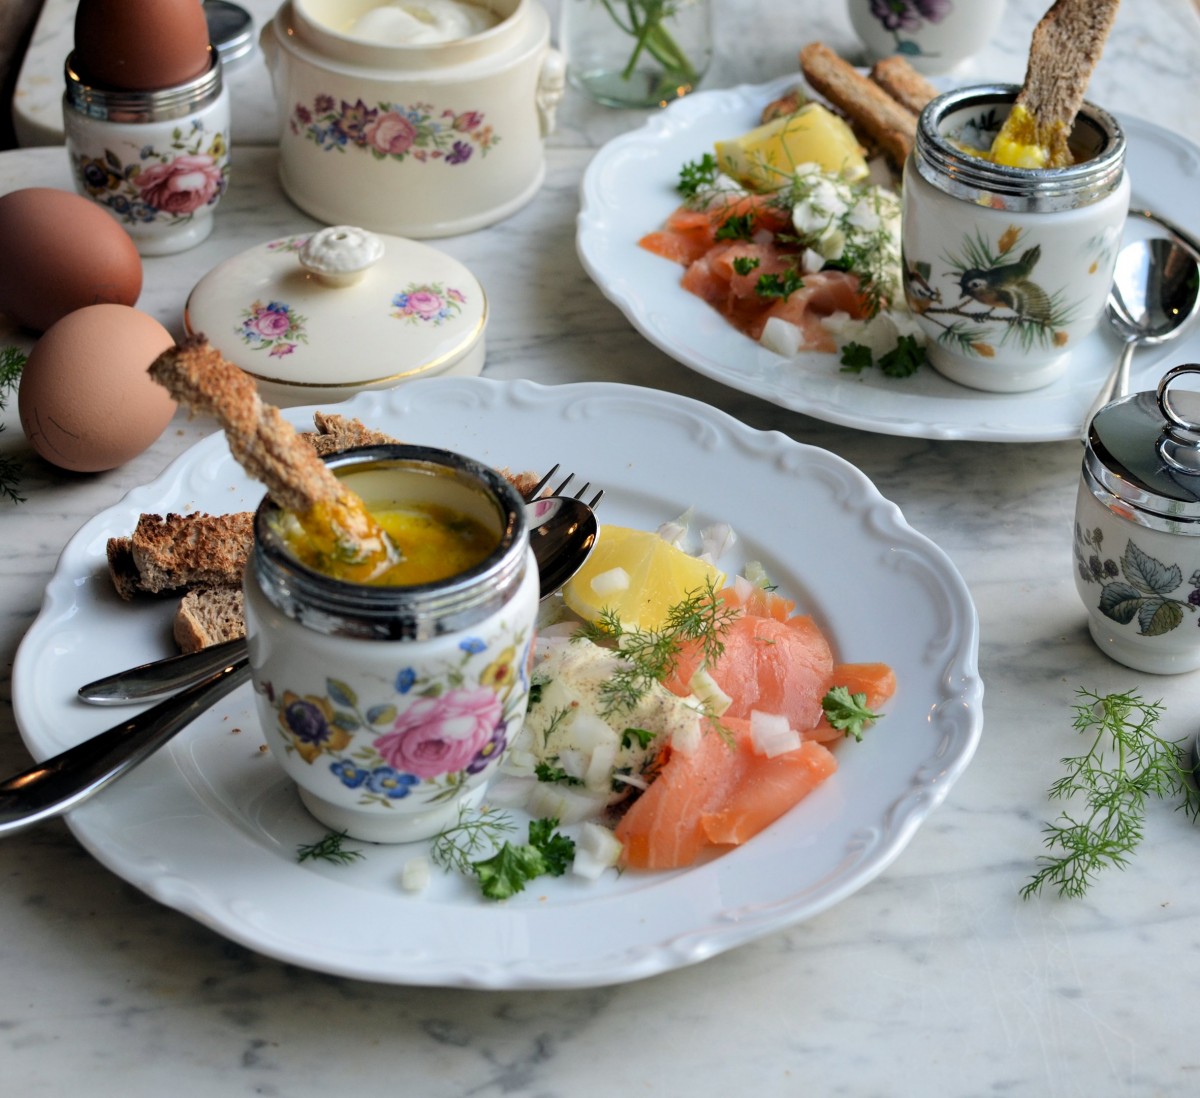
{"x":391,"y":705}
{"x":934,"y":36}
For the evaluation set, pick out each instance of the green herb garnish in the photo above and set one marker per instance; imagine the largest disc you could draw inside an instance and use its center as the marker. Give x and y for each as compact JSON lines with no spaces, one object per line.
{"x":1126,"y":762}
{"x":773,"y":285}
{"x":473,"y":834}
{"x":12,"y":362}
{"x":856,"y":357}
{"x":848,"y":712}
{"x":506,"y":872}
{"x":697,"y":175}
{"x":547,"y":772}
{"x":744,"y":264}
{"x":643,"y":736}
{"x":328,"y":849}
{"x":903,"y":360}
{"x":736,"y":227}
{"x":650,"y":655}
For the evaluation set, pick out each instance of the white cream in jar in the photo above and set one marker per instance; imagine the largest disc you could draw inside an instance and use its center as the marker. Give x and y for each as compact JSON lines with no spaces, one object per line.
{"x":421,"y":22}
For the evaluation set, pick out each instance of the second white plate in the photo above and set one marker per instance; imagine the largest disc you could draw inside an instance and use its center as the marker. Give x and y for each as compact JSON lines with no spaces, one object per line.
{"x":629,"y":190}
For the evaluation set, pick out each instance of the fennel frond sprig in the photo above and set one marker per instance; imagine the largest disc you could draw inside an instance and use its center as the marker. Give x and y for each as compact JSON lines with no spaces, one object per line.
{"x":1126,"y":762}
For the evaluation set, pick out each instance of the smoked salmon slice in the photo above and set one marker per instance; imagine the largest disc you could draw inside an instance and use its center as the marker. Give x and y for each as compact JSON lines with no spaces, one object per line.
{"x":775,"y":666}
{"x":719,"y":795}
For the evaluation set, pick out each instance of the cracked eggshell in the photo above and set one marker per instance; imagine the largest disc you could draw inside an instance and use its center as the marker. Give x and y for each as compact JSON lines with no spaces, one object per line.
{"x":86,"y":399}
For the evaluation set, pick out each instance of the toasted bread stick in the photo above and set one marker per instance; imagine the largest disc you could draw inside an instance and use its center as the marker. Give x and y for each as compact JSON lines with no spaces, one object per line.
{"x":262,"y":442}
{"x":903,"y":83}
{"x":1066,"y":46}
{"x":884,"y":121}
{"x":337,"y":523}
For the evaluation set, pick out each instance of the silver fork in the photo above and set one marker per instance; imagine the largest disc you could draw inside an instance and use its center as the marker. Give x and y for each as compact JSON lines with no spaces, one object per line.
{"x":533,"y":492}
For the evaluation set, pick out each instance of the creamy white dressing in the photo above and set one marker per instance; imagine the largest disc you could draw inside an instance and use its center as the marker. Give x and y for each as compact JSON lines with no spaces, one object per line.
{"x":422,"y":22}
{"x":564,"y":728}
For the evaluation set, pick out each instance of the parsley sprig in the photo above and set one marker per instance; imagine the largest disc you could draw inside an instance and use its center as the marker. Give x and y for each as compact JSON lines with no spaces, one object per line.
{"x":848,"y":712}
{"x":507,"y":866}
{"x":903,"y":360}
{"x":1125,"y":763}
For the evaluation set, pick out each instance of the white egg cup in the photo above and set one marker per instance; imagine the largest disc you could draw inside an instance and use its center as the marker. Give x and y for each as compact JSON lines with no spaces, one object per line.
{"x":1007,"y":269}
{"x":158,"y":162}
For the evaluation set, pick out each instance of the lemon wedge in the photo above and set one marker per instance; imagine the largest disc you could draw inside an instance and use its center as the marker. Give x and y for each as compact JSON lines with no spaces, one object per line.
{"x":766,"y":157}
{"x":637,"y":576}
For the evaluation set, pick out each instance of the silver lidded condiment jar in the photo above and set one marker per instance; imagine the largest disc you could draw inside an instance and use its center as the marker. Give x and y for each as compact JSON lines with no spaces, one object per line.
{"x":1007,"y":269}
{"x":157,"y":161}
{"x":390,"y":706}
{"x":1137,"y":528}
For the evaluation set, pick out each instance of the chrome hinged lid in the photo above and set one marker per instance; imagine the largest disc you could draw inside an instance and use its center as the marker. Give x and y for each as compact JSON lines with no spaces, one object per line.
{"x":323,"y":315}
{"x":1143,"y":453}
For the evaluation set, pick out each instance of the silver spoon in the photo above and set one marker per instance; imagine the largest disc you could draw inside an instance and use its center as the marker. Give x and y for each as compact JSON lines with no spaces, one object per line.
{"x":1155,"y":291}
{"x":562,"y":533}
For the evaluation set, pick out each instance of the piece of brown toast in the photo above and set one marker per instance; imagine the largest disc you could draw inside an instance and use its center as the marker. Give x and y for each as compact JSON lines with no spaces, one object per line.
{"x":883,"y":121}
{"x":207,"y":616}
{"x":903,"y":83}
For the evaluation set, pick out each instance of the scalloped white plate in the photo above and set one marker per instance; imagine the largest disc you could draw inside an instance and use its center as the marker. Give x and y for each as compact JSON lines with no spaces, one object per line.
{"x":210,"y":825}
{"x":629,"y":190}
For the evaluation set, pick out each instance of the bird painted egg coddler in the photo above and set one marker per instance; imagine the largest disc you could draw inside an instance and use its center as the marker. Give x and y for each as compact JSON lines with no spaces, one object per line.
{"x":1008,"y":269}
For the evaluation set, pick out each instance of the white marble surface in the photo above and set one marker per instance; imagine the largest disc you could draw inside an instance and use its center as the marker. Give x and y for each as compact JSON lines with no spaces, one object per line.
{"x":936,"y":979}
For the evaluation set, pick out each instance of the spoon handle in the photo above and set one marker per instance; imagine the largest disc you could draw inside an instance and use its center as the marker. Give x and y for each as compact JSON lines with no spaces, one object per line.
{"x":80,"y":772}
{"x":1115,"y":386}
{"x":160,"y":678}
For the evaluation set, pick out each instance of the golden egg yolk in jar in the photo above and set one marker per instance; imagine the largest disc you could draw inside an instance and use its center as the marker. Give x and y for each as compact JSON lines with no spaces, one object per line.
{"x":432,"y":543}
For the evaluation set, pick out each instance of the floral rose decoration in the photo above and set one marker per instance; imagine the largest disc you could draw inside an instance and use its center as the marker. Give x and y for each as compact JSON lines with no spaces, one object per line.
{"x":181,"y":185}
{"x":908,"y":14}
{"x":391,"y":134}
{"x":442,"y":735}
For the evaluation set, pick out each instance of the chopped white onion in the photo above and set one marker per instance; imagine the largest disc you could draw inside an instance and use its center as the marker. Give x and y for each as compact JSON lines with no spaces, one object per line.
{"x":598,"y":775}
{"x":567,"y":804}
{"x":771,"y":734}
{"x":414,"y":877}
{"x":718,"y":539}
{"x":705,"y":687}
{"x":596,"y":849}
{"x":607,"y":583}
{"x":781,"y":336}
{"x":742,"y":588}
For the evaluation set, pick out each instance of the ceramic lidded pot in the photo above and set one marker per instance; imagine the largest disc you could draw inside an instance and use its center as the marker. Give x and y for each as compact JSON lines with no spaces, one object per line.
{"x":1137,"y":528}
{"x":391,"y":706}
{"x":321,"y":316}
{"x":1008,"y":269}
{"x":415,"y":138}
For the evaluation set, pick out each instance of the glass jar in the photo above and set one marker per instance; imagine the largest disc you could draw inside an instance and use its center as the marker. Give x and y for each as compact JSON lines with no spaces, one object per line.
{"x":391,"y":706}
{"x":636,"y":53}
{"x":1008,"y":269}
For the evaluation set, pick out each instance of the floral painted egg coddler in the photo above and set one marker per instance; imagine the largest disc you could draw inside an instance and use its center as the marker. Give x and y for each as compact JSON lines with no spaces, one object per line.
{"x":1137,"y":528}
{"x":391,"y":706}
{"x":157,"y":161}
{"x":320,"y":316}
{"x":1008,"y":269}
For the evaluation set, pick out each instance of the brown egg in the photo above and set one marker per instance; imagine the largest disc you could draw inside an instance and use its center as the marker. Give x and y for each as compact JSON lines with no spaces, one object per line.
{"x":140,"y":45}
{"x":62,"y":252}
{"x":86,"y":400}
